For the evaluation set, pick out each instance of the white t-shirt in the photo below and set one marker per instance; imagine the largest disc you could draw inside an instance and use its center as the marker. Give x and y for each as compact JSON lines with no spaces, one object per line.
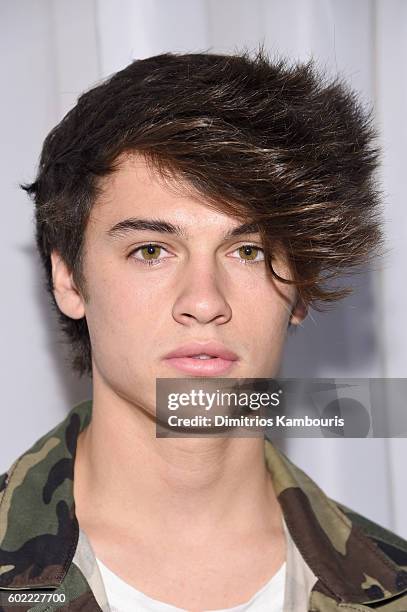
{"x":123,"y":597}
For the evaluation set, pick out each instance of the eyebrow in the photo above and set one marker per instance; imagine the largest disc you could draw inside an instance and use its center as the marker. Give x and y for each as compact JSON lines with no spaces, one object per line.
{"x":127,"y":226}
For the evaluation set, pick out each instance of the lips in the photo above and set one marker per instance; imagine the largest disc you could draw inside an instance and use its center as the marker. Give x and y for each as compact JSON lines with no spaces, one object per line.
{"x":212,"y":348}
{"x":182,"y":358}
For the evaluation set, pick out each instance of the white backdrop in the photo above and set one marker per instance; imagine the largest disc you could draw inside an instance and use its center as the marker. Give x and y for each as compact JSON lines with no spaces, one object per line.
{"x":51,"y":50}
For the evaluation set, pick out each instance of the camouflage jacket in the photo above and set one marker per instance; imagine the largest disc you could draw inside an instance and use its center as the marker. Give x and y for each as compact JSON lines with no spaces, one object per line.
{"x":337,"y":560}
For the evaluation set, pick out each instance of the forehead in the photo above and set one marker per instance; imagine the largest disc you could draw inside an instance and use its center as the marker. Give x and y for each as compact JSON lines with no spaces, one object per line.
{"x":138,"y":189}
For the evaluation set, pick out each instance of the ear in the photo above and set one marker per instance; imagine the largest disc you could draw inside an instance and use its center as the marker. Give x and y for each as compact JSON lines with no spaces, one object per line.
{"x":298,"y":312}
{"x":68,"y":298}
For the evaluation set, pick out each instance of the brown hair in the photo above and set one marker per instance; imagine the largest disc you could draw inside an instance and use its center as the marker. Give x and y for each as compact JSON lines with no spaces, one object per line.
{"x":266,"y":141}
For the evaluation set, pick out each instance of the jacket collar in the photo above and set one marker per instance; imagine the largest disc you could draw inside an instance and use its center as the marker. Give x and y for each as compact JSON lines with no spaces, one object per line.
{"x":39,"y":530}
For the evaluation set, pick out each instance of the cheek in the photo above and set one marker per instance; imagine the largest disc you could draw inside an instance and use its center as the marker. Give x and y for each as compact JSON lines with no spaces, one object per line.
{"x":265,"y":316}
{"x":270,"y":305}
{"x":118,"y":310}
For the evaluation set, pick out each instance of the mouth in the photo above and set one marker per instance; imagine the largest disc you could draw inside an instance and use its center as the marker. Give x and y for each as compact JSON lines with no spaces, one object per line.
{"x":208,"y":365}
{"x":210,"y":358}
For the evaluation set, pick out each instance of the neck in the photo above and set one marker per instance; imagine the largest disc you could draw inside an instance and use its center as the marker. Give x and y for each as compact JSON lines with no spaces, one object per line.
{"x":204,"y":488}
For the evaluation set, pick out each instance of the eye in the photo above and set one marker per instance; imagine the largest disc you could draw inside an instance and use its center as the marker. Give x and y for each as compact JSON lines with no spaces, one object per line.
{"x":149,"y":254}
{"x":249,"y":253}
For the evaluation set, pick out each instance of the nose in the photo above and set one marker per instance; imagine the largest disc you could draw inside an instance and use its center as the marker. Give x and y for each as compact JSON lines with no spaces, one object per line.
{"x":201,"y":298}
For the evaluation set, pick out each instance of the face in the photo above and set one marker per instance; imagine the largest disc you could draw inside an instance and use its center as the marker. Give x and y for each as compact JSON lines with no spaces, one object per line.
{"x":197,"y":285}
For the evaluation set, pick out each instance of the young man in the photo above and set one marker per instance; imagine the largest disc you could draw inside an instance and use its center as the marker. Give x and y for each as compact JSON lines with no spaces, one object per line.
{"x":198,"y":204}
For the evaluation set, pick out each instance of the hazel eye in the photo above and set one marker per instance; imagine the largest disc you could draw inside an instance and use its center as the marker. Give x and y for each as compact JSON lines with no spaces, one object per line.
{"x":149,"y":253}
{"x":249,"y":253}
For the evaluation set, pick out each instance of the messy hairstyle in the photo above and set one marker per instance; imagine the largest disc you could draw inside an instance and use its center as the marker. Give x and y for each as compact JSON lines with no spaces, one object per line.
{"x":266,"y":141}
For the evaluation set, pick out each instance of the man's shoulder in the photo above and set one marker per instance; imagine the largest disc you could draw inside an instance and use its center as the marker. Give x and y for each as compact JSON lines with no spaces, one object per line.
{"x":311,"y":511}
{"x":353,"y":558}
{"x":391,"y":544}
{"x":38,"y":528}
{"x":34,"y":474}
